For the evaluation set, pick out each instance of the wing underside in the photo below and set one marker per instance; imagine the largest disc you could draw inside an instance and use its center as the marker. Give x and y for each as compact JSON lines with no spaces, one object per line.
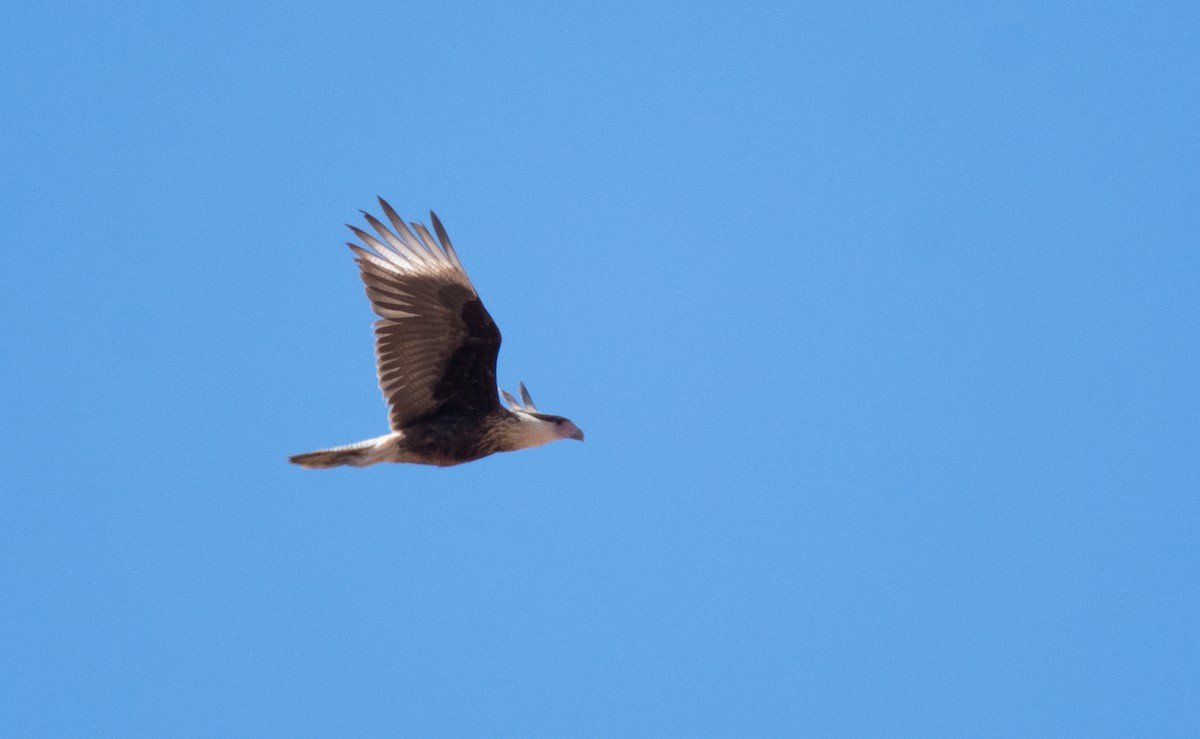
{"x":435,"y":343}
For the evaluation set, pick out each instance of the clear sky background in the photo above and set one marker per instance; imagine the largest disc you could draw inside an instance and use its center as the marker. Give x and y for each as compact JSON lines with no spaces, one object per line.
{"x":881,"y":321}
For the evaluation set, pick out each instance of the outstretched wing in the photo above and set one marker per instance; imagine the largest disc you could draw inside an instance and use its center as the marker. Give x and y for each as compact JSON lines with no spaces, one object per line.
{"x":435,"y":344}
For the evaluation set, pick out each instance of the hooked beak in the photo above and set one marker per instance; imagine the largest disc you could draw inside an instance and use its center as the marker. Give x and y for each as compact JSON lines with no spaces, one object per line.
{"x":578,"y":435}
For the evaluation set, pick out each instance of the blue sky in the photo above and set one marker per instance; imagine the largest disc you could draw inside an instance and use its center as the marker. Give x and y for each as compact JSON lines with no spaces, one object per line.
{"x":881,"y":322}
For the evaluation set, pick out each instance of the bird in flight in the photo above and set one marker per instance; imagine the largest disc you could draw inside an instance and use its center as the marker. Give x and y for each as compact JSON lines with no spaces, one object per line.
{"x":435,"y":353}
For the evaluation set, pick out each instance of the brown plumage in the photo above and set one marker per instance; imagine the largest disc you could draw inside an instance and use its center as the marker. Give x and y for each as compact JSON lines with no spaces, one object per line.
{"x":435,"y":351}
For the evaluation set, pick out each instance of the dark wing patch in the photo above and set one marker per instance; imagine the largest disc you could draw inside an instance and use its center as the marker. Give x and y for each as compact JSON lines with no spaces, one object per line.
{"x":468,"y":384}
{"x":435,"y":343}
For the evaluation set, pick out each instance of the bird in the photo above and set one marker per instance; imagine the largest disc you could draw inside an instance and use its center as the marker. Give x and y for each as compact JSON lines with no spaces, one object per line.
{"x":435,"y":356}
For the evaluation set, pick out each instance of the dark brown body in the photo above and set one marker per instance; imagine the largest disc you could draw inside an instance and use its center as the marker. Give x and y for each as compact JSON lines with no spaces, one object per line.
{"x":450,"y":440}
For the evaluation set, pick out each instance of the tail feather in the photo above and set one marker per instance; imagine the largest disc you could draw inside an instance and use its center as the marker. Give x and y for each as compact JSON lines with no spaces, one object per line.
{"x":360,"y":454}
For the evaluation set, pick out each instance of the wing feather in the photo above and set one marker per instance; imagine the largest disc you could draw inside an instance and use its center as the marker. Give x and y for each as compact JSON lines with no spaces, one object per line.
{"x":398,"y":224}
{"x":435,"y":343}
{"x":444,"y":239}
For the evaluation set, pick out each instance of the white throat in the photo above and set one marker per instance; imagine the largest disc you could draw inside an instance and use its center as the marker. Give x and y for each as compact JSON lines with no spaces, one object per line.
{"x":529,"y":432}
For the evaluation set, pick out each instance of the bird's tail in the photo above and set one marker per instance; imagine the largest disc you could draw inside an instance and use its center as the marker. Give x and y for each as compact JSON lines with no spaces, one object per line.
{"x":360,"y":454}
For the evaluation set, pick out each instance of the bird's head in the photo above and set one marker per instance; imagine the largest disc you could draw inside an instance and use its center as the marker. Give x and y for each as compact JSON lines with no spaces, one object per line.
{"x":537,"y":428}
